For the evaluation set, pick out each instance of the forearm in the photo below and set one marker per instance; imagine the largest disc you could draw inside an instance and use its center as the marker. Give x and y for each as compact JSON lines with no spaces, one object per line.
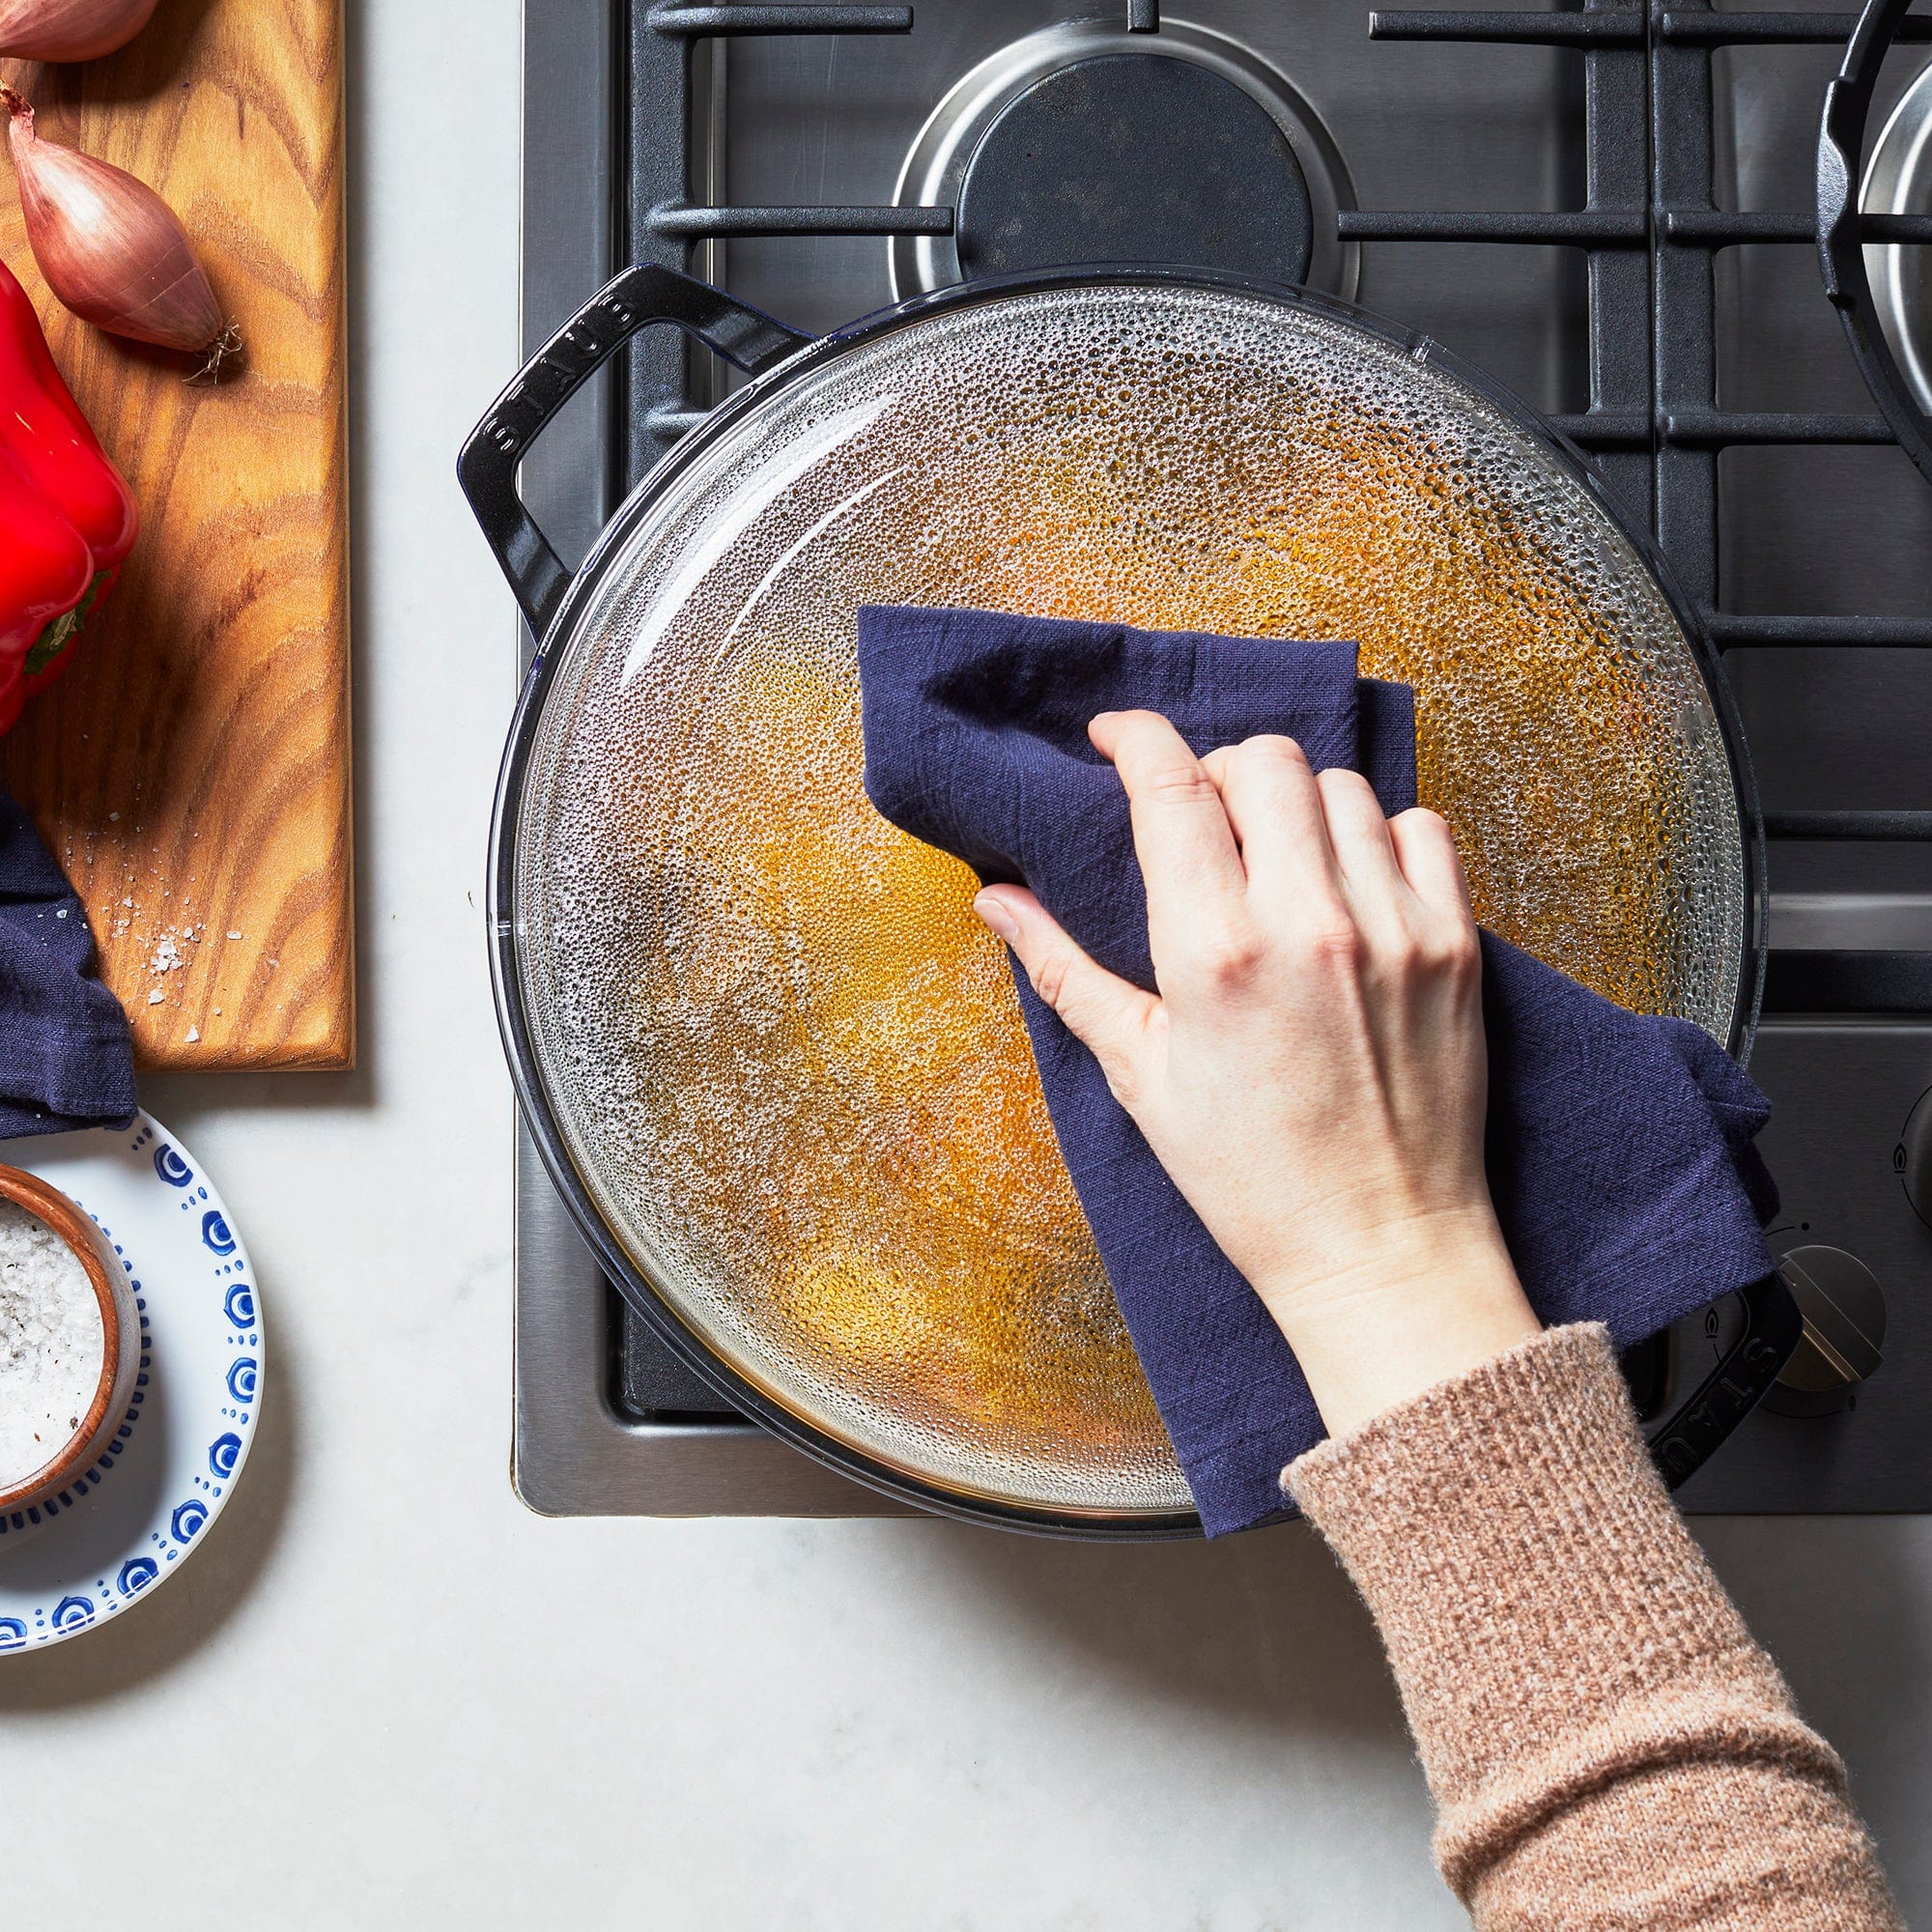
{"x":1605,"y":1744}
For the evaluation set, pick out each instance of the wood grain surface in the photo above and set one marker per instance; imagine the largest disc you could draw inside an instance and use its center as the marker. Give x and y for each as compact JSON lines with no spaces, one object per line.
{"x":191,"y":769}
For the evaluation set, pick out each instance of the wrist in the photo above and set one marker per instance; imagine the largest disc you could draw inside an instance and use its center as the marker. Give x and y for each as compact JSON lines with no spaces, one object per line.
{"x":1430,"y":1301}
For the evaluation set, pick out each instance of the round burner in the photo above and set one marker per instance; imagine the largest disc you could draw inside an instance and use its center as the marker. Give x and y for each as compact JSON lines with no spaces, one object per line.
{"x":1086,"y":143}
{"x":1900,"y":181}
{"x":1135,"y":157}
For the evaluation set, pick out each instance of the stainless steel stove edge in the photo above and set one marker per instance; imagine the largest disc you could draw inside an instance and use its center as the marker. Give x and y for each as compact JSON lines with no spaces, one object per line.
{"x":1841,"y":1089}
{"x":575,"y":1455}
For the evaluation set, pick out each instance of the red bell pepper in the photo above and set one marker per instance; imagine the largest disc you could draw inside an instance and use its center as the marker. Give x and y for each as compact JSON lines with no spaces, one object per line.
{"x":67,"y":519}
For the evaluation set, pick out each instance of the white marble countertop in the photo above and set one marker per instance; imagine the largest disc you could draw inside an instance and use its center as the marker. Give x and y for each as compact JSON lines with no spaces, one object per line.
{"x":385,"y":1695}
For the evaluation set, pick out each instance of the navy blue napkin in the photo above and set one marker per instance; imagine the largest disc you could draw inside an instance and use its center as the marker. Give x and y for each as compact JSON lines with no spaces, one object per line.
{"x":1620,"y":1146}
{"x":65,"y":1058}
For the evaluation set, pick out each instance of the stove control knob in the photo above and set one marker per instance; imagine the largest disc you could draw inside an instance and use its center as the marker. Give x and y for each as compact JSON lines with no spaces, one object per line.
{"x":1911,"y":1158}
{"x":1844,"y":1320}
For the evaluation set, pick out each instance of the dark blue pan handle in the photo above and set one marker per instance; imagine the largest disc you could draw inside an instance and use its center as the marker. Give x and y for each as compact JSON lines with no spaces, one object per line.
{"x":486,"y":469}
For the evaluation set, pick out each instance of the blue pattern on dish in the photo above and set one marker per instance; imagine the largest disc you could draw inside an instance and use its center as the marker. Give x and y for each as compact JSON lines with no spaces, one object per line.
{"x":199,"y":1478}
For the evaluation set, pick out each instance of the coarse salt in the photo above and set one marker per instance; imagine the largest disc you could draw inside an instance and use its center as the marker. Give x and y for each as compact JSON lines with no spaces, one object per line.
{"x":51,"y":1344}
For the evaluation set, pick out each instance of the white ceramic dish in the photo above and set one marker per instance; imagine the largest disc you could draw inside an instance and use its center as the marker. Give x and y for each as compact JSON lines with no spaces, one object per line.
{"x":123,"y":1526}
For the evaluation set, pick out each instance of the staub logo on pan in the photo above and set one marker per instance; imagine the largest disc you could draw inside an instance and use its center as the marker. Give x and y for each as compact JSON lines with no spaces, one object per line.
{"x":563,"y":364}
{"x":1722,"y":1404}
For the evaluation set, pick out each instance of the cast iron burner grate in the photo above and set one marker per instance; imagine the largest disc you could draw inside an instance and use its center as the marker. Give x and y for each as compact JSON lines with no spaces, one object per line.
{"x":1650,"y":232}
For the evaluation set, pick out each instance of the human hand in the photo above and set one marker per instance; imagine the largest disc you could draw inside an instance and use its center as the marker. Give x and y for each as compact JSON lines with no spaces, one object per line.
{"x":1311,"y":1071}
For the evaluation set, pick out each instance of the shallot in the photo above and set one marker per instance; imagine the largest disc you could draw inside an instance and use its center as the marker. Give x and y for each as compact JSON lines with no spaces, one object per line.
{"x":70,"y":30}
{"x":110,"y":247}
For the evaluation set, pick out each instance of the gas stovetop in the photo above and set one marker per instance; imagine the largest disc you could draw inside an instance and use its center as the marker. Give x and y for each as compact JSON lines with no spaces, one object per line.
{"x":1609,"y":208}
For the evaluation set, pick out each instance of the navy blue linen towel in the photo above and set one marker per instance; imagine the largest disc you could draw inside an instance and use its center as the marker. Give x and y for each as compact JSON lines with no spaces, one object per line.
{"x":1620,"y":1148}
{"x":65,"y":1058}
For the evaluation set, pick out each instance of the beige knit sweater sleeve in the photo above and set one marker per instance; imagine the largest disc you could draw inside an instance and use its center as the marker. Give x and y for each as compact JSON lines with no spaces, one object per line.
{"x":1607,"y":1746}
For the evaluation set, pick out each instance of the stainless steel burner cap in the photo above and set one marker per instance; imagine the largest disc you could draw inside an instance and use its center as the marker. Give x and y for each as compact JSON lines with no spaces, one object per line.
{"x":1048,"y":101}
{"x":1900,"y":181}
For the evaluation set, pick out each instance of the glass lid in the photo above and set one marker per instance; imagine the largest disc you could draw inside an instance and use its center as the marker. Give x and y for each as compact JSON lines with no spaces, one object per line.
{"x":785,"y":1057}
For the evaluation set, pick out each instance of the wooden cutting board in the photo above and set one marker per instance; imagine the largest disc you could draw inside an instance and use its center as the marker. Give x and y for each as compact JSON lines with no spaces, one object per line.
{"x":191,"y":769}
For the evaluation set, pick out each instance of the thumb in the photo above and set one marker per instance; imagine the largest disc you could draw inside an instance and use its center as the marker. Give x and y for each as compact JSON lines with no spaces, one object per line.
{"x":1110,"y":1016}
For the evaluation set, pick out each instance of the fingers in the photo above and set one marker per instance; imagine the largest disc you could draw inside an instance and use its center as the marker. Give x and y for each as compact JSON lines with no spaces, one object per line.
{"x":1308,"y":841}
{"x":1107,"y":1014}
{"x":1425,"y":849}
{"x":1364,"y":852}
{"x":1274,"y":804}
{"x":1250,"y":836}
{"x":1182,"y":835}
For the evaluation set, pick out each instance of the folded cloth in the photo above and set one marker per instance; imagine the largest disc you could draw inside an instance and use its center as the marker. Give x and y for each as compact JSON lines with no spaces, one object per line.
{"x":1620,"y":1146}
{"x":65,"y":1058}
